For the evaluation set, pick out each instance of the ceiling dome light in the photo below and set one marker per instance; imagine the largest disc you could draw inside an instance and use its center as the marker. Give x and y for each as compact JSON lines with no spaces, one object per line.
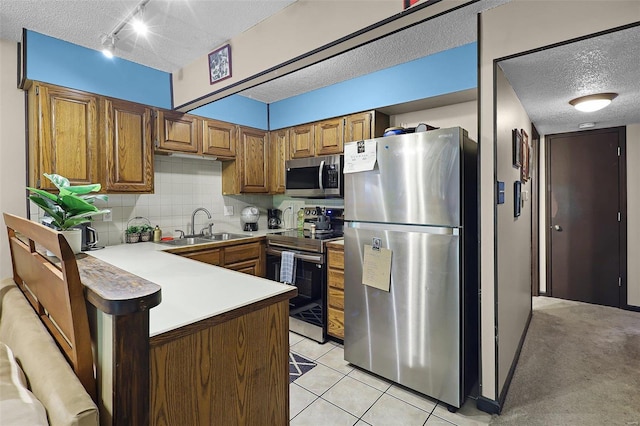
{"x":592,"y":103}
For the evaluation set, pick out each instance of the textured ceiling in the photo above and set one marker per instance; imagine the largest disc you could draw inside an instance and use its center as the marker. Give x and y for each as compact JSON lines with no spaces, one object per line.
{"x":445,"y":32}
{"x":546,"y":81}
{"x":180,"y":30}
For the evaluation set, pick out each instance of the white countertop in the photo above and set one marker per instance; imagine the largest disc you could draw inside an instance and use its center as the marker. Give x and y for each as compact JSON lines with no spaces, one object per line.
{"x":191,"y":290}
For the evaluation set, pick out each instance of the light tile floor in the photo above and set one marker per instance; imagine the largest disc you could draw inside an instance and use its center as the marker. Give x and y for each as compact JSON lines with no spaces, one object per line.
{"x":336,"y":393}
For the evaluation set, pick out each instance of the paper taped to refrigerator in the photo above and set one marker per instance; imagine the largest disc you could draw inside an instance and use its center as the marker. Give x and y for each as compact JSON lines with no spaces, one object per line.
{"x":360,"y":156}
{"x":376,"y":270}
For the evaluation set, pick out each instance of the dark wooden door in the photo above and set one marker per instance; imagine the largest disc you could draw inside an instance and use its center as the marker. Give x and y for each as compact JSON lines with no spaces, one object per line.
{"x":584,"y":206}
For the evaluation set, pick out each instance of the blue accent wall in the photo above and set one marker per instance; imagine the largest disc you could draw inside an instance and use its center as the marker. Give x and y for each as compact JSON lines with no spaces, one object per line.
{"x":236,"y":109}
{"x":58,"y":62}
{"x":445,"y":72}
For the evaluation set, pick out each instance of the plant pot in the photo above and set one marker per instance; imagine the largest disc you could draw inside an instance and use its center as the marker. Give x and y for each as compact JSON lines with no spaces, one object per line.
{"x":74,"y":238}
{"x":132,"y":238}
{"x":146,"y":236}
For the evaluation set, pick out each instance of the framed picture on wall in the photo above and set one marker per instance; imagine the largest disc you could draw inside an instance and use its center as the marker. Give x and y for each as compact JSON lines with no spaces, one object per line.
{"x":220,"y":64}
{"x":517,"y":197}
{"x":516,"y":137}
{"x":525,"y":152}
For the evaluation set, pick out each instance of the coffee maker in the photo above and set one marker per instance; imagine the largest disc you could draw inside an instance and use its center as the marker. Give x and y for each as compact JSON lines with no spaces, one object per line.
{"x":273,"y":218}
{"x":89,"y":237}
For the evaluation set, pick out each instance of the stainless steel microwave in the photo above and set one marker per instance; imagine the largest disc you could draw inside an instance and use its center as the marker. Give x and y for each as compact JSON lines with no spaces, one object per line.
{"x":315,"y":177}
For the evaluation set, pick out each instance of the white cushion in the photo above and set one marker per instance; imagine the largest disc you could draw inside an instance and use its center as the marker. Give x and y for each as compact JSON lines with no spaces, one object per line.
{"x":17,"y":404}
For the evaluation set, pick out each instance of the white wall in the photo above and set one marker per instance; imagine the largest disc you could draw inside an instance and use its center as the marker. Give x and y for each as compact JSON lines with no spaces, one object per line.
{"x":12,"y":148}
{"x":463,"y":115}
{"x":513,"y":28}
{"x":633,"y":214}
{"x":181,"y":185}
{"x":513,"y":233}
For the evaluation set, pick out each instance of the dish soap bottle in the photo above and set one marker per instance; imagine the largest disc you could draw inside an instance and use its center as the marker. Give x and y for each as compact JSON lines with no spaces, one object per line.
{"x":157,"y":234}
{"x":300,"y":220}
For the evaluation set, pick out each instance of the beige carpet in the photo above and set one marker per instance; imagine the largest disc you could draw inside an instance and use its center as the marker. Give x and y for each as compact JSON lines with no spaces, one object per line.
{"x":580,"y":365}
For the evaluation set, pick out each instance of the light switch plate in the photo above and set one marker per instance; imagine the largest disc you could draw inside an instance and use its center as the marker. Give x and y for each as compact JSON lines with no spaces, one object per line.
{"x":228,"y":210}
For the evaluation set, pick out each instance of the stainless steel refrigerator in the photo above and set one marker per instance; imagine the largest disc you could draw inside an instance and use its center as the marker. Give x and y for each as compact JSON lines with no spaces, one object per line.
{"x":420,"y":202}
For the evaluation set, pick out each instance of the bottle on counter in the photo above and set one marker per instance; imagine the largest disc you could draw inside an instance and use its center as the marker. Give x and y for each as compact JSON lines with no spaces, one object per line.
{"x":157,"y":234}
{"x":300,"y":219}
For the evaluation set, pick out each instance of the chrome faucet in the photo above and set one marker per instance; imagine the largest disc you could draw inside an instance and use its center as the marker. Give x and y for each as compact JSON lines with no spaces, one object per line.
{"x":193,"y":218}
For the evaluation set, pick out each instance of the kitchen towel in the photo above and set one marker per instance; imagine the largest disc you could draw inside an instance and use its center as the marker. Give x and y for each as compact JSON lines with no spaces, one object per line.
{"x":288,"y":267}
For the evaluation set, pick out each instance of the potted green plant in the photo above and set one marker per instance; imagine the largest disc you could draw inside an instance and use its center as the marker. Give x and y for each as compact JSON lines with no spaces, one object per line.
{"x":71,"y":206}
{"x":132,"y":234}
{"x":146,"y":232}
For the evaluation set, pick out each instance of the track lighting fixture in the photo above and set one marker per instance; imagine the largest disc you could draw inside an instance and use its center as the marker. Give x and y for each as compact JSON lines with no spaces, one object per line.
{"x":134,"y":19}
{"x":593,"y":102}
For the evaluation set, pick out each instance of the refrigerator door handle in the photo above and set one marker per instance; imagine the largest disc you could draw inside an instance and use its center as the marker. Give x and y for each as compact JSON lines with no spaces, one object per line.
{"x":428,"y":229}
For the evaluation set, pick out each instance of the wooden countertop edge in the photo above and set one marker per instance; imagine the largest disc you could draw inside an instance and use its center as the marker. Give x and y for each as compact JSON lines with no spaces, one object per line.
{"x":220,"y":318}
{"x":115,"y":291}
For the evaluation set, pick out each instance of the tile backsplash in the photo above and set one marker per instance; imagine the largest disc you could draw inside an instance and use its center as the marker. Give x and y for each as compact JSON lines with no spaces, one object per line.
{"x":181,"y":185}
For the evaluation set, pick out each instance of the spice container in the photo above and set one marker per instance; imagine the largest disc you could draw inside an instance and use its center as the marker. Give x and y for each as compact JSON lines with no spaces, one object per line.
{"x":157,"y":234}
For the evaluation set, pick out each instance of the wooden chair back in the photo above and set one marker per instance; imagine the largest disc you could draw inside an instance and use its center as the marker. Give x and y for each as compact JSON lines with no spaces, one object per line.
{"x":54,"y":290}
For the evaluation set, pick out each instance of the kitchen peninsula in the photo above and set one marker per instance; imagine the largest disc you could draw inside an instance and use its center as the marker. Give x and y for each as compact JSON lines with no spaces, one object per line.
{"x":217,"y":343}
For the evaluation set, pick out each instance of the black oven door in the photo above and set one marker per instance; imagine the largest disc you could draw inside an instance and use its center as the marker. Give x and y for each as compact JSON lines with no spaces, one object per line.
{"x":308,"y":309}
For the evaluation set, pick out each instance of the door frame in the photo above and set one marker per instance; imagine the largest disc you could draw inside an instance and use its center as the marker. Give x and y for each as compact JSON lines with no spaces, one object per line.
{"x":535,"y":212}
{"x":622,"y":207}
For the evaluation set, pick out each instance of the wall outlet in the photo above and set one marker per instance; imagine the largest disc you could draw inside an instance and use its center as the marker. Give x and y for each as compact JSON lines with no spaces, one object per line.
{"x":228,"y":210}
{"x":107,"y":217}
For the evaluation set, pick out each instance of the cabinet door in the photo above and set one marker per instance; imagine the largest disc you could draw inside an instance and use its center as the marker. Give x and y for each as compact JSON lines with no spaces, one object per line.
{"x":302,"y":141}
{"x":358,"y":127}
{"x":129,"y":155}
{"x":67,"y":135}
{"x":253,"y":167}
{"x":219,"y":138}
{"x":177,"y":132}
{"x":330,"y":136}
{"x":251,"y":267}
{"x":278,"y":155}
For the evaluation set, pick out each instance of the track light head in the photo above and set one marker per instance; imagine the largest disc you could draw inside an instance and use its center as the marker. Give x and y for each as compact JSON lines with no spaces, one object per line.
{"x":108,"y":46}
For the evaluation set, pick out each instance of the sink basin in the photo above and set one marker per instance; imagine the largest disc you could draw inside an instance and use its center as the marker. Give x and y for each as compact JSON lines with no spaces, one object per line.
{"x":187,"y":241}
{"x":224,"y":236}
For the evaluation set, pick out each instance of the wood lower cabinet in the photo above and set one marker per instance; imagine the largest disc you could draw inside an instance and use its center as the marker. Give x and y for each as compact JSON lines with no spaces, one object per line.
{"x":335,"y":291}
{"x":247,"y":257}
{"x":330,"y":136}
{"x":128,"y":144}
{"x":63,"y":135}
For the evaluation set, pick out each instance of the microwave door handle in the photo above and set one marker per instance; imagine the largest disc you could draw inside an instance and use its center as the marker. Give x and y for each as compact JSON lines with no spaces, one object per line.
{"x":320,"y":172}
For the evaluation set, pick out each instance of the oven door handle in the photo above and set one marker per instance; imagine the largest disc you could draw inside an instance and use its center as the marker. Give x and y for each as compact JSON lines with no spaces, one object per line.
{"x":314,"y":258}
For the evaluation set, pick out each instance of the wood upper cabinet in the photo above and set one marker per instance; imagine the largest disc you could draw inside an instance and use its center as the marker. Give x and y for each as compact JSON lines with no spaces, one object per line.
{"x":330,"y":136}
{"x":302,"y":141}
{"x":177,"y":132}
{"x":365,"y":125}
{"x":128,"y":145}
{"x":63,"y":135}
{"x":219,"y":138}
{"x":249,"y":173}
{"x":254,"y":161}
{"x":278,"y":155}
{"x":357,"y":127}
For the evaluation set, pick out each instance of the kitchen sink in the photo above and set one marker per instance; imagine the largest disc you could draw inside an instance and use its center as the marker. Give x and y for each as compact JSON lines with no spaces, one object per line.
{"x":202,"y":239}
{"x":187,"y":241}
{"x":223,"y":236}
